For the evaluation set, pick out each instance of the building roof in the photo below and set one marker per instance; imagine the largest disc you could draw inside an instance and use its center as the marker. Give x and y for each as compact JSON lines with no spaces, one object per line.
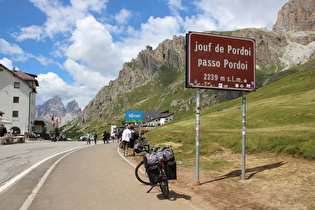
{"x":25,"y":76}
{"x":151,"y":115}
{"x":22,"y":75}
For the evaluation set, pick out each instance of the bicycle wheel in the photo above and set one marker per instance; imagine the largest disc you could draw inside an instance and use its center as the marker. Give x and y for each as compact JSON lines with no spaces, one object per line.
{"x":141,"y":174}
{"x":164,"y":182}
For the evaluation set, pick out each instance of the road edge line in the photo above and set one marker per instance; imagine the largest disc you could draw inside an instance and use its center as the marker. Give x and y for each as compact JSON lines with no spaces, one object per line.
{"x":32,"y":196}
{"x":25,"y":172}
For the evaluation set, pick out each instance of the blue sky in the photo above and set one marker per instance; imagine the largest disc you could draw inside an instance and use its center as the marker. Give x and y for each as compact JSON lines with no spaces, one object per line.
{"x":77,"y":46}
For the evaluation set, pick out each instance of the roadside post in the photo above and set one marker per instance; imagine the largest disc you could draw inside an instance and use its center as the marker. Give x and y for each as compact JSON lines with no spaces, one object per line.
{"x":243,"y":134}
{"x":223,"y":63}
{"x":197,"y":182}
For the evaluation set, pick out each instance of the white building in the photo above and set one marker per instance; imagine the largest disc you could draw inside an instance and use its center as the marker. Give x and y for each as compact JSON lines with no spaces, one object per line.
{"x":157,"y":118}
{"x":17,"y":99}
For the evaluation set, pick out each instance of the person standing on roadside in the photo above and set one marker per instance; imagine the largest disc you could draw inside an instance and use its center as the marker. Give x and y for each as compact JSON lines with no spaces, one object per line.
{"x":95,"y":138}
{"x":125,"y":138}
{"x":107,"y":137}
{"x":104,"y":137}
{"x":3,"y":130}
{"x":88,"y":136}
{"x":133,"y":138}
{"x":54,"y":137}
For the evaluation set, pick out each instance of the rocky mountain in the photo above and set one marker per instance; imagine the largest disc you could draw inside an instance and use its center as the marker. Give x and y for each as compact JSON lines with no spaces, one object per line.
{"x":296,"y":15}
{"x":55,"y":107}
{"x":155,"y":79}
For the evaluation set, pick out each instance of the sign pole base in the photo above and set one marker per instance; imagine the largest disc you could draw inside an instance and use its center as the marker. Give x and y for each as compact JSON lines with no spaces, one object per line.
{"x":197,"y":184}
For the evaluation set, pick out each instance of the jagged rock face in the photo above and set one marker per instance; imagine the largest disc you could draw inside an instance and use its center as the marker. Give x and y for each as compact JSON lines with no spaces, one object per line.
{"x":73,"y":108}
{"x":296,"y":15}
{"x":55,"y":107}
{"x":52,"y":107}
{"x":286,"y":48}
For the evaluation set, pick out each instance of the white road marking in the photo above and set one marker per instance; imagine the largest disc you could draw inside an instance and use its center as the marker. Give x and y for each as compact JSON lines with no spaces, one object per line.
{"x":32,"y":196}
{"x":24,"y":173}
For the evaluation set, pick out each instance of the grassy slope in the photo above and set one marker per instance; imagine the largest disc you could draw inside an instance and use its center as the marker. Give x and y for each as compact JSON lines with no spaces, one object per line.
{"x":280,"y":119}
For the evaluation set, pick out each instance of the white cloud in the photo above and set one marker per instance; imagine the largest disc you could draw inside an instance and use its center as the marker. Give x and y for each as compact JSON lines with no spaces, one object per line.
{"x":175,"y":6}
{"x":31,"y":32}
{"x":60,"y":18}
{"x":51,"y":84}
{"x":44,"y":60}
{"x":89,"y":5}
{"x":123,"y":16}
{"x":153,"y":32}
{"x":10,"y":49}
{"x":92,"y":46}
{"x":231,"y":15}
{"x":93,"y":81}
{"x":7,"y":63}
{"x":203,"y":22}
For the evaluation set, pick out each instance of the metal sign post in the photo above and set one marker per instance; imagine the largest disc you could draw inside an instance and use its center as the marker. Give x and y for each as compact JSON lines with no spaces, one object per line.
{"x":243,"y":134}
{"x":197,"y":135}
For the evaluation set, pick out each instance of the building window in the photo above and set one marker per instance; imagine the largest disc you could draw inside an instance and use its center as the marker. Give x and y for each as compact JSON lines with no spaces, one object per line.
{"x":16,"y":85}
{"x":16,"y":99}
{"x":15,"y":113}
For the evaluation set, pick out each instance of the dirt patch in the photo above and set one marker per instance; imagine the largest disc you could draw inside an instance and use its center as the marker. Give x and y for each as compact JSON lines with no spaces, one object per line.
{"x":272,"y":182}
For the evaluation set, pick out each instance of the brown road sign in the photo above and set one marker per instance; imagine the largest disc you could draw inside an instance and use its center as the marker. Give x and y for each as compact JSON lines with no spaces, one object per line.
{"x":220,"y":62}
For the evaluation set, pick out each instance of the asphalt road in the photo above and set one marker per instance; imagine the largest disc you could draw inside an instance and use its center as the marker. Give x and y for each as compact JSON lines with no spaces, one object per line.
{"x":95,"y":177}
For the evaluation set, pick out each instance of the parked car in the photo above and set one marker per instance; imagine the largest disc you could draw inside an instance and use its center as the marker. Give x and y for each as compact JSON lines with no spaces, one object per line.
{"x":82,"y":138}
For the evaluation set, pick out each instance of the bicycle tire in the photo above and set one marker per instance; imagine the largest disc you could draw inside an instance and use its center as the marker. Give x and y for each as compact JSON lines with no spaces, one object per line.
{"x":164,"y":182}
{"x":141,"y":174}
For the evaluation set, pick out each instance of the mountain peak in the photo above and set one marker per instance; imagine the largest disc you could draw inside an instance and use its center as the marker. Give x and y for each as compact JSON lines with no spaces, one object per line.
{"x":55,"y":107}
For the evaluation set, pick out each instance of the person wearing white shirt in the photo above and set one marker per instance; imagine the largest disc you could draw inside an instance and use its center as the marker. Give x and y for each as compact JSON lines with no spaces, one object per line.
{"x":126,"y":135}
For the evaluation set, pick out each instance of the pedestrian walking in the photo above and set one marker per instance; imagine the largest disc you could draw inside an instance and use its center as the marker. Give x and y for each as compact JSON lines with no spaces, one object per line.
{"x":106,"y":136}
{"x":103,"y":136}
{"x":95,"y":138}
{"x":134,"y":137}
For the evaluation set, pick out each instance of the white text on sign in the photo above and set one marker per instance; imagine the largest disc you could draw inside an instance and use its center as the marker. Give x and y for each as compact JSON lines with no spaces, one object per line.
{"x":220,"y":49}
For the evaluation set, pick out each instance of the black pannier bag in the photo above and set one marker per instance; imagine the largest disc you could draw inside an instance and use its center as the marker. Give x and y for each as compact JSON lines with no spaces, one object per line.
{"x":171,"y":169}
{"x":145,"y":160}
{"x":153,"y":173}
{"x":152,"y":169}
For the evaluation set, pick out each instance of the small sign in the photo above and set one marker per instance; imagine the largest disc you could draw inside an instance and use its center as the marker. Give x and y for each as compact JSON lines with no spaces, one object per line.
{"x":134,"y":116}
{"x":220,"y":62}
